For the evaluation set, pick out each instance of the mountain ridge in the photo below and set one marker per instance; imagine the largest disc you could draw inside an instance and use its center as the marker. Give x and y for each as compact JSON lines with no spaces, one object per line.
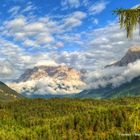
{"x":52,"y":79}
{"x":131,"y":88}
{"x":8,"y":94}
{"x":131,"y":56}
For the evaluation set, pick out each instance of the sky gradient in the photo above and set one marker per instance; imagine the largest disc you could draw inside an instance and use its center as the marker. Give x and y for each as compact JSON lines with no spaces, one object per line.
{"x":83,"y":34}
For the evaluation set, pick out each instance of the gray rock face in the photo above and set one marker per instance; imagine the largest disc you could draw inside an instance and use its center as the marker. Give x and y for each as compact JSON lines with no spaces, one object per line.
{"x":49,"y":80}
{"x":131,"y":56}
{"x":59,"y":72}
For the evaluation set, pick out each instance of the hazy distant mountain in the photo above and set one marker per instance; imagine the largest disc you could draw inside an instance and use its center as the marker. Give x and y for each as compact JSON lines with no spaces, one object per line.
{"x":7,"y":94}
{"x":131,"y":88}
{"x":131,"y":56}
{"x":44,"y":80}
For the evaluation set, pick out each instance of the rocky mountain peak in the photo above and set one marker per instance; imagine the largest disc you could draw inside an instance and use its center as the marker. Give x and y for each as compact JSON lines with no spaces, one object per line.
{"x":134,"y":49}
{"x":49,"y":80}
{"x":132,"y":55}
{"x":58,"y":72}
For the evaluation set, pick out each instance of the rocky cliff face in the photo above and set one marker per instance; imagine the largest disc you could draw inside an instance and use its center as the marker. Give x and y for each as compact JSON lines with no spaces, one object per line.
{"x":131,"y":56}
{"x":49,"y":80}
{"x":56,"y":72}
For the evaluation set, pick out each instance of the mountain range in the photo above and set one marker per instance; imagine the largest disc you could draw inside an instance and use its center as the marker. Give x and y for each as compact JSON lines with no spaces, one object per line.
{"x":49,"y":80}
{"x":63,"y":81}
{"x":130,"y":88}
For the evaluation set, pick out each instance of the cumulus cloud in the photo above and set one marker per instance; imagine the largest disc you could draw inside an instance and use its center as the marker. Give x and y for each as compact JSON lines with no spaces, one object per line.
{"x":30,"y":33}
{"x":99,"y":48}
{"x":46,"y":63}
{"x":42,"y":31}
{"x":16,"y":23}
{"x":36,"y":39}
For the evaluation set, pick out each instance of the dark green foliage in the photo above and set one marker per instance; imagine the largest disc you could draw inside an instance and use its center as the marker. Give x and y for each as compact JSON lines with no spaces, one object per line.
{"x":69,"y":119}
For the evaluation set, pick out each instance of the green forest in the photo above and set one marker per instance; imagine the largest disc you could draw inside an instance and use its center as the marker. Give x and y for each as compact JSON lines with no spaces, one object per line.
{"x":70,"y":119}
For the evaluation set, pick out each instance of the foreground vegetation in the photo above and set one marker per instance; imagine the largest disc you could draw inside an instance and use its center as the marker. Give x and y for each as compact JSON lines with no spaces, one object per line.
{"x":70,"y":119}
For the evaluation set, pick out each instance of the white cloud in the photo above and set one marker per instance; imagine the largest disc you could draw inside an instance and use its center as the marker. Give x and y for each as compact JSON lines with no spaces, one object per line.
{"x":59,"y":44}
{"x":6,"y":69}
{"x":30,"y":32}
{"x":42,"y":31}
{"x":75,"y":19}
{"x":114,"y":76}
{"x":17,"y":23}
{"x":44,"y":39}
{"x":47,"y":86}
{"x":30,"y":43}
{"x":46,"y":63}
{"x":34,"y":27}
{"x":95,"y":48}
{"x":70,"y":3}
{"x":101,"y":47}
{"x":98,"y":7}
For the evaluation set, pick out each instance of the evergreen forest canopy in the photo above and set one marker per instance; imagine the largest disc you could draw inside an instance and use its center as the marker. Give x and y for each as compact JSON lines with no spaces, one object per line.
{"x":129,"y":19}
{"x":70,"y":119}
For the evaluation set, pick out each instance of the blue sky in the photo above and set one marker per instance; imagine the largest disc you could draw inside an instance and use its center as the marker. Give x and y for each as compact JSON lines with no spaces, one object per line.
{"x":64,"y":7}
{"x":83,"y":34}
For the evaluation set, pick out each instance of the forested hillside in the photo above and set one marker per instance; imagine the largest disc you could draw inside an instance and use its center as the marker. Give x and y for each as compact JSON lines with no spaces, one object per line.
{"x":8,"y":94}
{"x":70,"y":119}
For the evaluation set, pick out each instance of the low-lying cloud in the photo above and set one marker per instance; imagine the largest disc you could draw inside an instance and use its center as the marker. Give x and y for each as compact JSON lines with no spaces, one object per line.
{"x":47,"y":86}
{"x":114,"y":76}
